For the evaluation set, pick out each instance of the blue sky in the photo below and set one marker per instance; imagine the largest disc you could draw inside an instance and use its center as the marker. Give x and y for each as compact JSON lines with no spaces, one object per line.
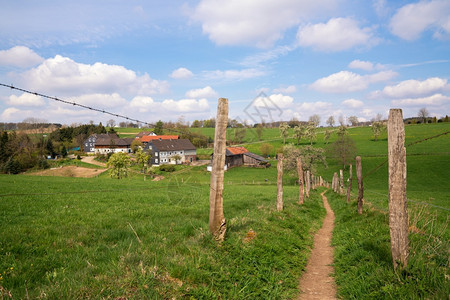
{"x":154,"y":60}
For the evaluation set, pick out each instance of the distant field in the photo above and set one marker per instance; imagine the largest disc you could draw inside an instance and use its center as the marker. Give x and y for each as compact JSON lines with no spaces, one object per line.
{"x":137,"y":238}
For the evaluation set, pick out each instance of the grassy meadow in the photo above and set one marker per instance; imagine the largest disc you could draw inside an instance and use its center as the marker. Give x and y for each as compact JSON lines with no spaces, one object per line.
{"x":136,"y":238}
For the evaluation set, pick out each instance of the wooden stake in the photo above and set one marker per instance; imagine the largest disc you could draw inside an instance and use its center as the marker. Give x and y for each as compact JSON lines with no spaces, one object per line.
{"x":308,"y":183}
{"x":398,"y":214}
{"x":301,"y":196}
{"x":360,"y":184}
{"x":280,"y":182}
{"x":341,"y":182}
{"x":350,"y":181}
{"x":217,"y":223}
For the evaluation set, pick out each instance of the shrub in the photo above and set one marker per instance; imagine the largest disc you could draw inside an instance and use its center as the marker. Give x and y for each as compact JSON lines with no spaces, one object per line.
{"x":167,"y":168}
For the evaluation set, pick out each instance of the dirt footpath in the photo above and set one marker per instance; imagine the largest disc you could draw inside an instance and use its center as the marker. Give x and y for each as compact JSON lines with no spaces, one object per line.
{"x":317,"y":283}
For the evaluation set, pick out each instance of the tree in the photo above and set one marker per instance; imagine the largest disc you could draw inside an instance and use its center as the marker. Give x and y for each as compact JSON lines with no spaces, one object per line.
{"x":331,"y":121}
{"x":343,"y":149}
{"x":266,"y":149}
{"x":136,"y":144}
{"x":341,"y":120}
{"x":299,"y":132}
{"x":284,"y":131}
{"x":259,"y":131}
{"x":111,"y":123}
{"x":314,"y":119}
{"x":158,"y":130}
{"x":423,"y":114}
{"x":239,"y":134}
{"x":326,"y":136}
{"x":142,"y":158}
{"x":310,"y":157}
{"x":353,"y":120}
{"x":118,"y":163}
{"x":310,"y":132}
{"x":377,"y":129}
{"x":342,"y":131}
{"x":176,"y":158}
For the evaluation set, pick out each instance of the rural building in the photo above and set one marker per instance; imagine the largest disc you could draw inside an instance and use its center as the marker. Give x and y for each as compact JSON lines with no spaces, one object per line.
{"x":163,"y":151}
{"x":144,"y":133}
{"x":89,"y":143}
{"x":109,"y":144}
{"x":239,"y":156}
{"x":148,"y":138}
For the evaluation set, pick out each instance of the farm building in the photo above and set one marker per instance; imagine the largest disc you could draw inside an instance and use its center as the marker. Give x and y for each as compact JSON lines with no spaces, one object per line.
{"x":148,"y":138}
{"x":239,"y":156}
{"x":89,"y":143}
{"x":164,"y":151}
{"x":109,"y":144}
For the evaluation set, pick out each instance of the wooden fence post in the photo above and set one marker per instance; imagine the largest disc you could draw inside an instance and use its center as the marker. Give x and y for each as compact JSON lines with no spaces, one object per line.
{"x":350,"y":180}
{"x":217,"y":223}
{"x":341,"y":182}
{"x":301,"y":195}
{"x":308,"y":183}
{"x":360,"y":184}
{"x":280,"y":182}
{"x":398,"y":214}
{"x":335,"y":182}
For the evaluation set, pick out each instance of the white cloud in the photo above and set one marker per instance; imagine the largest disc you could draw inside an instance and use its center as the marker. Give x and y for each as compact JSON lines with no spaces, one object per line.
{"x":234,"y":74}
{"x":274,"y":100}
{"x":415,"y":88}
{"x":411,"y":20}
{"x":181,"y":73}
{"x":345,"y":81}
{"x":186,"y":105}
{"x":436,"y":99}
{"x":19,"y":56}
{"x":206,"y":92}
{"x":337,"y":35}
{"x":249,"y":22}
{"x":101,"y":100}
{"x":11,"y":114}
{"x":353,"y":103}
{"x":365,"y":65}
{"x":63,"y":75}
{"x":25,"y":100}
{"x":142,"y":104}
{"x":286,"y":90}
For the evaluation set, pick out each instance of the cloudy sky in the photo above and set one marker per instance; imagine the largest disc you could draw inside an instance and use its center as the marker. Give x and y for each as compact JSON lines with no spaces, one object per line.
{"x":153,"y":60}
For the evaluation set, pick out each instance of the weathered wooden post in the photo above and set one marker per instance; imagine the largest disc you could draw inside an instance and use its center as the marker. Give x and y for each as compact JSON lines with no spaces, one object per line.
{"x":360,"y":184}
{"x":350,"y":180}
{"x":217,"y":223}
{"x":335,"y":182}
{"x":308,"y":183}
{"x":398,"y":214}
{"x":341,"y":182}
{"x":280,"y":182}
{"x":301,"y":194}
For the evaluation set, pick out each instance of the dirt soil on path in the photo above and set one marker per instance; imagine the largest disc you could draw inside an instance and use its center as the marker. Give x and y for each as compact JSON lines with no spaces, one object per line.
{"x":70,"y":171}
{"x":317,"y":283}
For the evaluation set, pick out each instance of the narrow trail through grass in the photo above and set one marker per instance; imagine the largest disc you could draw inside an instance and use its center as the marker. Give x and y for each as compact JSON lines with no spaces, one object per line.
{"x":317,"y":282}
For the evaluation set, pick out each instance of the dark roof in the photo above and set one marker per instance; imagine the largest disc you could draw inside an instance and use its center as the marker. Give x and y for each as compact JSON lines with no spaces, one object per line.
{"x":144,"y":133}
{"x":110,"y":141}
{"x":173,"y":145}
{"x":255,"y":156}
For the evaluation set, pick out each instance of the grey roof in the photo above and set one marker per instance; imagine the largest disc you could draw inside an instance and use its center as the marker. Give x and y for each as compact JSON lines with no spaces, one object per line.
{"x":173,"y":145}
{"x":255,"y":156}
{"x":111,"y":141}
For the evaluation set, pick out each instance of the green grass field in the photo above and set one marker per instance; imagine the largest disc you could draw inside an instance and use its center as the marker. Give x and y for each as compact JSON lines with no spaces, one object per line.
{"x":135,"y":238}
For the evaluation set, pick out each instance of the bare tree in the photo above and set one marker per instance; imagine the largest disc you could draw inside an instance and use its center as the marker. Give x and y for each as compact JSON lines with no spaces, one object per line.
{"x":331,"y":121}
{"x":315,"y":119}
{"x":423,"y":114}
{"x":111,"y":123}
{"x":353,"y":120}
{"x":342,"y":120}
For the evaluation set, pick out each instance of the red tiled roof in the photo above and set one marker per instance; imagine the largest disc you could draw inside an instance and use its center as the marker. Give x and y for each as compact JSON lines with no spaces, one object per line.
{"x":149,"y":138}
{"x":237,"y":150}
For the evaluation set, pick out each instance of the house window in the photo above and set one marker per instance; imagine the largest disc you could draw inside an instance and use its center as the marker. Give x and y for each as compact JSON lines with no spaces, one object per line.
{"x":156,"y":153}
{"x":156,"y":160}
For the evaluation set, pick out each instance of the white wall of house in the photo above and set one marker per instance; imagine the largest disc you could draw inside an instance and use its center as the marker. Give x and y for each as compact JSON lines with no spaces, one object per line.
{"x":111,"y":150}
